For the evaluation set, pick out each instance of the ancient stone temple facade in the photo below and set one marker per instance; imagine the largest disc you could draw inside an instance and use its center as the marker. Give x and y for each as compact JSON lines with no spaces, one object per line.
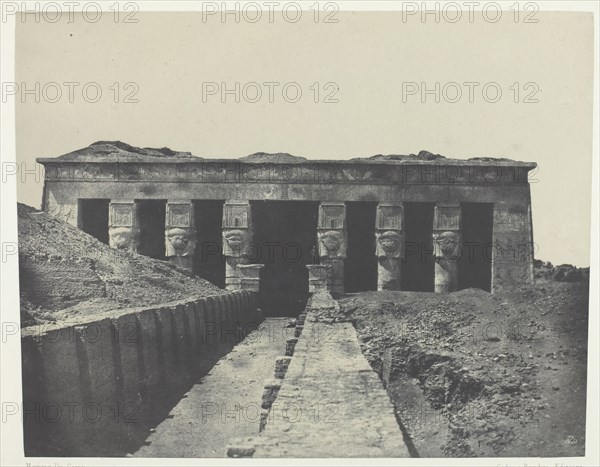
{"x":418,"y":222}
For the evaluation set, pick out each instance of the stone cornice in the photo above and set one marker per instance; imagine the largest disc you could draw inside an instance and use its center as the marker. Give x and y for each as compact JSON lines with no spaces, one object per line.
{"x":474,"y":162}
{"x":325,"y":172}
{"x":119,"y":162}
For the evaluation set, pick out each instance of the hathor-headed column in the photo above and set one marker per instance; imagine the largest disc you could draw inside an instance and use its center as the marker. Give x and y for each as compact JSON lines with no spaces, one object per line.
{"x":331,"y":233}
{"x":446,"y":246}
{"x":390,"y":245}
{"x":237,"y":237}
{"x":180,"y":234}
{"x":123,"y":227}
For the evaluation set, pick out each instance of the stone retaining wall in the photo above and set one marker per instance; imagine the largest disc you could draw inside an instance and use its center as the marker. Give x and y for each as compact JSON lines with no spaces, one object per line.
{"x":91,"y":385}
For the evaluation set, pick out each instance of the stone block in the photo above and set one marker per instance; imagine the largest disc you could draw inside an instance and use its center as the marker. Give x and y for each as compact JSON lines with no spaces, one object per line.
{"x":60,"y":360}
{"x":264,"y":418}
{"x":36,"y":429}
{"x":211,"y":324}
{"x":238,"y":305}
{"x":102,"y":375}
{"x":98,"y":342}
{"x":201,"y":310}
{"x":153,"y":374}
{"x":181,"y":337}
{"x":281,"y":366}
{"x":319,"y":277}
{"x":129,"y":340}
{"x":290,"y":344}
{"x":250,"y":276}
{"x":271,"y":389}
{"x":168,"y":348}
{"x":229,"y":307}
{"x":46,"y":410}
{"x":301,"y":319}
{"x":337,"y":274}
{"x":191,"y":315}
{"x":252,"y":306}
{"x":229,"y":327}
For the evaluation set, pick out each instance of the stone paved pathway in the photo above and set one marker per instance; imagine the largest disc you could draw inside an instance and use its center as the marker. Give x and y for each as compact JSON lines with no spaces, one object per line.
{"x":331,"y":403}
{"x":226,"y":403}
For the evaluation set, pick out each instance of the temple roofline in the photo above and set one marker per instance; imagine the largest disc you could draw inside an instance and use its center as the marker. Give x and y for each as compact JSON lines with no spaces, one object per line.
{"x":118,"y":152}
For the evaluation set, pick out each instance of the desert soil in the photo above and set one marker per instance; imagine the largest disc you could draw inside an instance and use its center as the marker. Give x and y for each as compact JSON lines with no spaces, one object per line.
{"x":476,"y":374}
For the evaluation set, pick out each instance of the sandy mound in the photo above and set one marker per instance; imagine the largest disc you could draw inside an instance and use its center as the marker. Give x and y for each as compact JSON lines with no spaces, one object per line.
{"x":65,"y":273}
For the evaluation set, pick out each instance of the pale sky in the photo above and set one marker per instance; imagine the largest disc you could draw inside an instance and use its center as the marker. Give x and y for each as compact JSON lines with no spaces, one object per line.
{"x":368,"y":55}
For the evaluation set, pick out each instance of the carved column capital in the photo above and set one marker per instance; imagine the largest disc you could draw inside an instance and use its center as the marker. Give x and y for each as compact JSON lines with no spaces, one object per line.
{"x":123,"y":229}
{"x":180,"y":233}
{"x":390,"y":244}
{"x":332,"y":244}
{"x":447,"y":243}
{"x":331,"y":230}
{"x":332,"y":240}
{"x":237,"y":242}
{"x":446,"y":231}
{"x":389,"y":235}
{"x":446,"y":216}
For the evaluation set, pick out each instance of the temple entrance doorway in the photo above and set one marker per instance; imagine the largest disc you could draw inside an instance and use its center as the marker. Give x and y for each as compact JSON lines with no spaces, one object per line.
{"x":151,"y":218}
{"x":285,"y":241}
{"x":360,"y":269}
{"x":93,"y":218}
{"x":209,"y":262}
{"x":418,"y":263}
{"x":475,"y":263}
